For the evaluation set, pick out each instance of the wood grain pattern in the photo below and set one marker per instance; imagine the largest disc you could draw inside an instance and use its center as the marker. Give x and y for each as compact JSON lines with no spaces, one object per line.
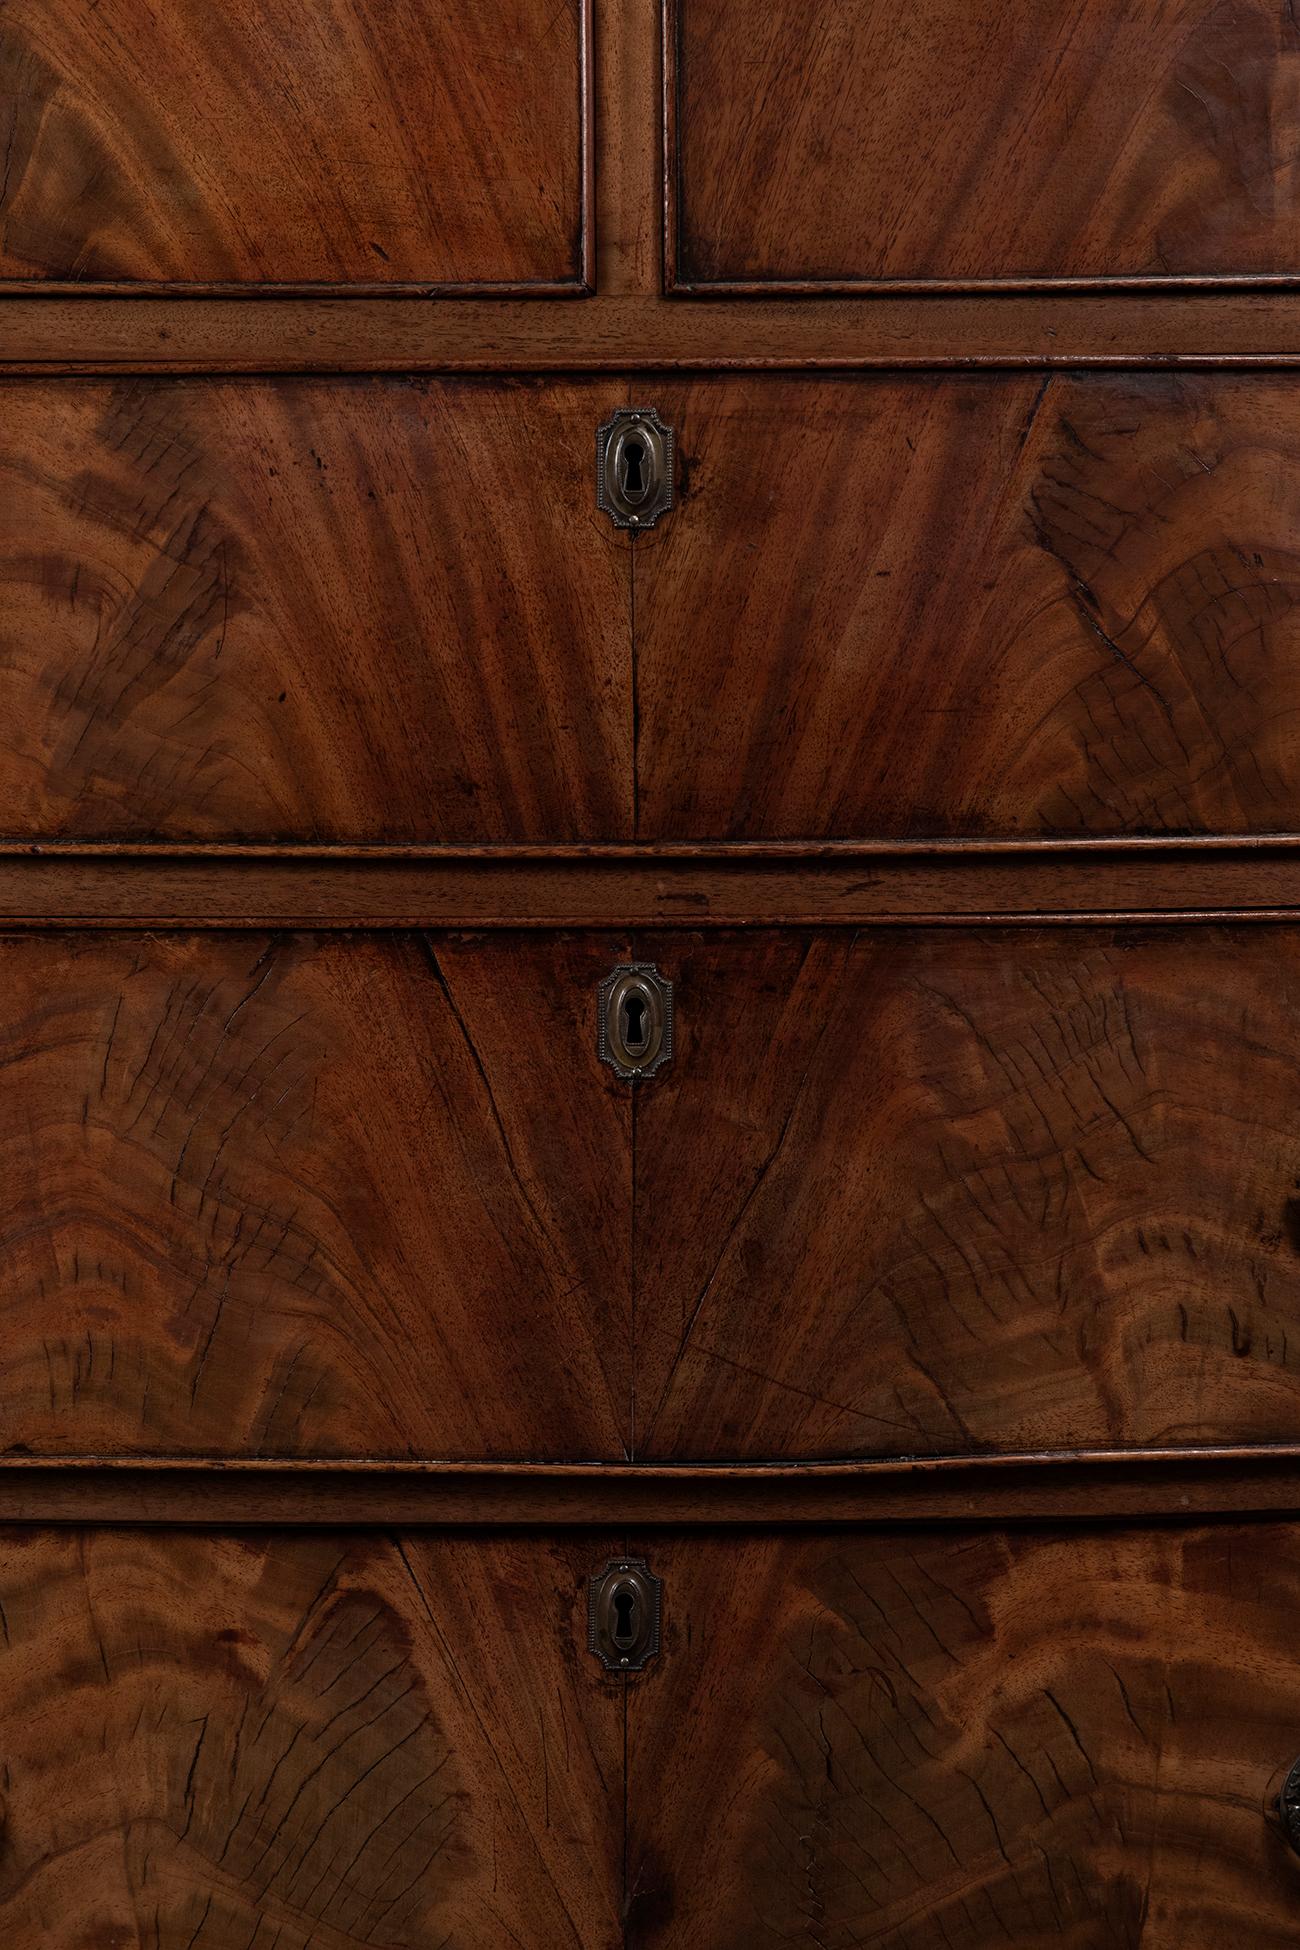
{"x":224,"y":1492}
{"x":324,"y":1743}
{"x":836,"y":143}
{"x":628,"y":155}
{"x":305,"y":1229}
{"x":244,"y":143}
{"x":301,"y":610}
{"x":289,"y":1196}
{"x":949,"y":883}
{"x":988,"y":605}
{"x":619,"y":331}
{"x":929,"y":1192}
{"x":1014,"y":1738}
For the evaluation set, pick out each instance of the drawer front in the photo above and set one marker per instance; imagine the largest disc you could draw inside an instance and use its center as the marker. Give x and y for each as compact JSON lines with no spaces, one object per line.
{"x":946,"y":1190}
{"x":968,"y":1739}
{"x":295,"y":142}
{"x":301,"y":1196}
{"x":1004,"y":605}
{"x":344,"y":609}
{"x":387,"y":610}
{"x":833,"y":143}
{"x":919,"y":1190}
{"x":314,"y":1740}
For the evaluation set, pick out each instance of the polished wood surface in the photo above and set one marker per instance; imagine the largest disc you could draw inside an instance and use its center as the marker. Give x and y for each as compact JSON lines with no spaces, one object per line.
{"x":751,"y":884}
{"x":1021,"y":1737}
{"x":978,"y":606}
{"x":815,"y":143}
{"x":308,"y":610}
{"x":335,"y":1742}
{"x":276,"y":1195}
{"x":913,"y":1190}
{"x":994,"y":605}
{"x":241,"y":143}
{"x":928,"y":1322}
{"x":627,"y":150}
{"x":620,"y":331}
{"x":927,"y":1192}
{"x":1100,"y":1485}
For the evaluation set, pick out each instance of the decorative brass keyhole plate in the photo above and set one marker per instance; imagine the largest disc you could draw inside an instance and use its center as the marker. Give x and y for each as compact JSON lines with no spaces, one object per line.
{"x":1288,"y":1807}
{"x":634,"y":467}
{"x":624,"y":1612}
{"x":634,"y":1020}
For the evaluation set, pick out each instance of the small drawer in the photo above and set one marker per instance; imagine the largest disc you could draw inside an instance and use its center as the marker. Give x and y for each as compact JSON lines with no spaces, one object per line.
{"x":440,"y":145}
{"x":853,"y":145}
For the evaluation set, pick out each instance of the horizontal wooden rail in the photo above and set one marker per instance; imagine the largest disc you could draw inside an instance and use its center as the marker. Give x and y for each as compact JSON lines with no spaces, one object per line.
{"x":954,"y":883}
{"x":1134,"y":1485}
{"x":1187,"y":325}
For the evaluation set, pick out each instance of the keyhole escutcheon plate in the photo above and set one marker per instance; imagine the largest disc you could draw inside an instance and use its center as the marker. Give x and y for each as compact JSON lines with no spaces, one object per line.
{"x":634,"y":467}
{"x":624,"y":1613}
{"x":634,"y":1020}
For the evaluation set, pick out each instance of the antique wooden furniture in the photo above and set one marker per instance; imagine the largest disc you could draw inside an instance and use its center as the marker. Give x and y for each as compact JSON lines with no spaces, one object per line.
{"x":649,"y":974}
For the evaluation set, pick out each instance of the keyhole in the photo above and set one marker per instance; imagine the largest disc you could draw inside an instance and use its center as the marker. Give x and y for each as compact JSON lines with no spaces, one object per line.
{"x":634,"y":484}
{"x":624,"y":1617}
{"x":635,"y":1031}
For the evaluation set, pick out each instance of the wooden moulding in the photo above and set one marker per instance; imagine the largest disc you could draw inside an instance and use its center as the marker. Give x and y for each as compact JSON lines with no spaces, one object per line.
{"x":622,"y":331}
{"x":940,"y":883}
{"x":1134,"y":1485}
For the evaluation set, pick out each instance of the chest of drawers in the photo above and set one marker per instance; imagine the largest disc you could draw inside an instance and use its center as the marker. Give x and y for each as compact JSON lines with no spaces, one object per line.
{"x":649,"y":975}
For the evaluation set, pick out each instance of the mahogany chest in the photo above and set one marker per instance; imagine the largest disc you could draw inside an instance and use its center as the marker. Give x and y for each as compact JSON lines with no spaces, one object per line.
{"x":649,"y":974}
